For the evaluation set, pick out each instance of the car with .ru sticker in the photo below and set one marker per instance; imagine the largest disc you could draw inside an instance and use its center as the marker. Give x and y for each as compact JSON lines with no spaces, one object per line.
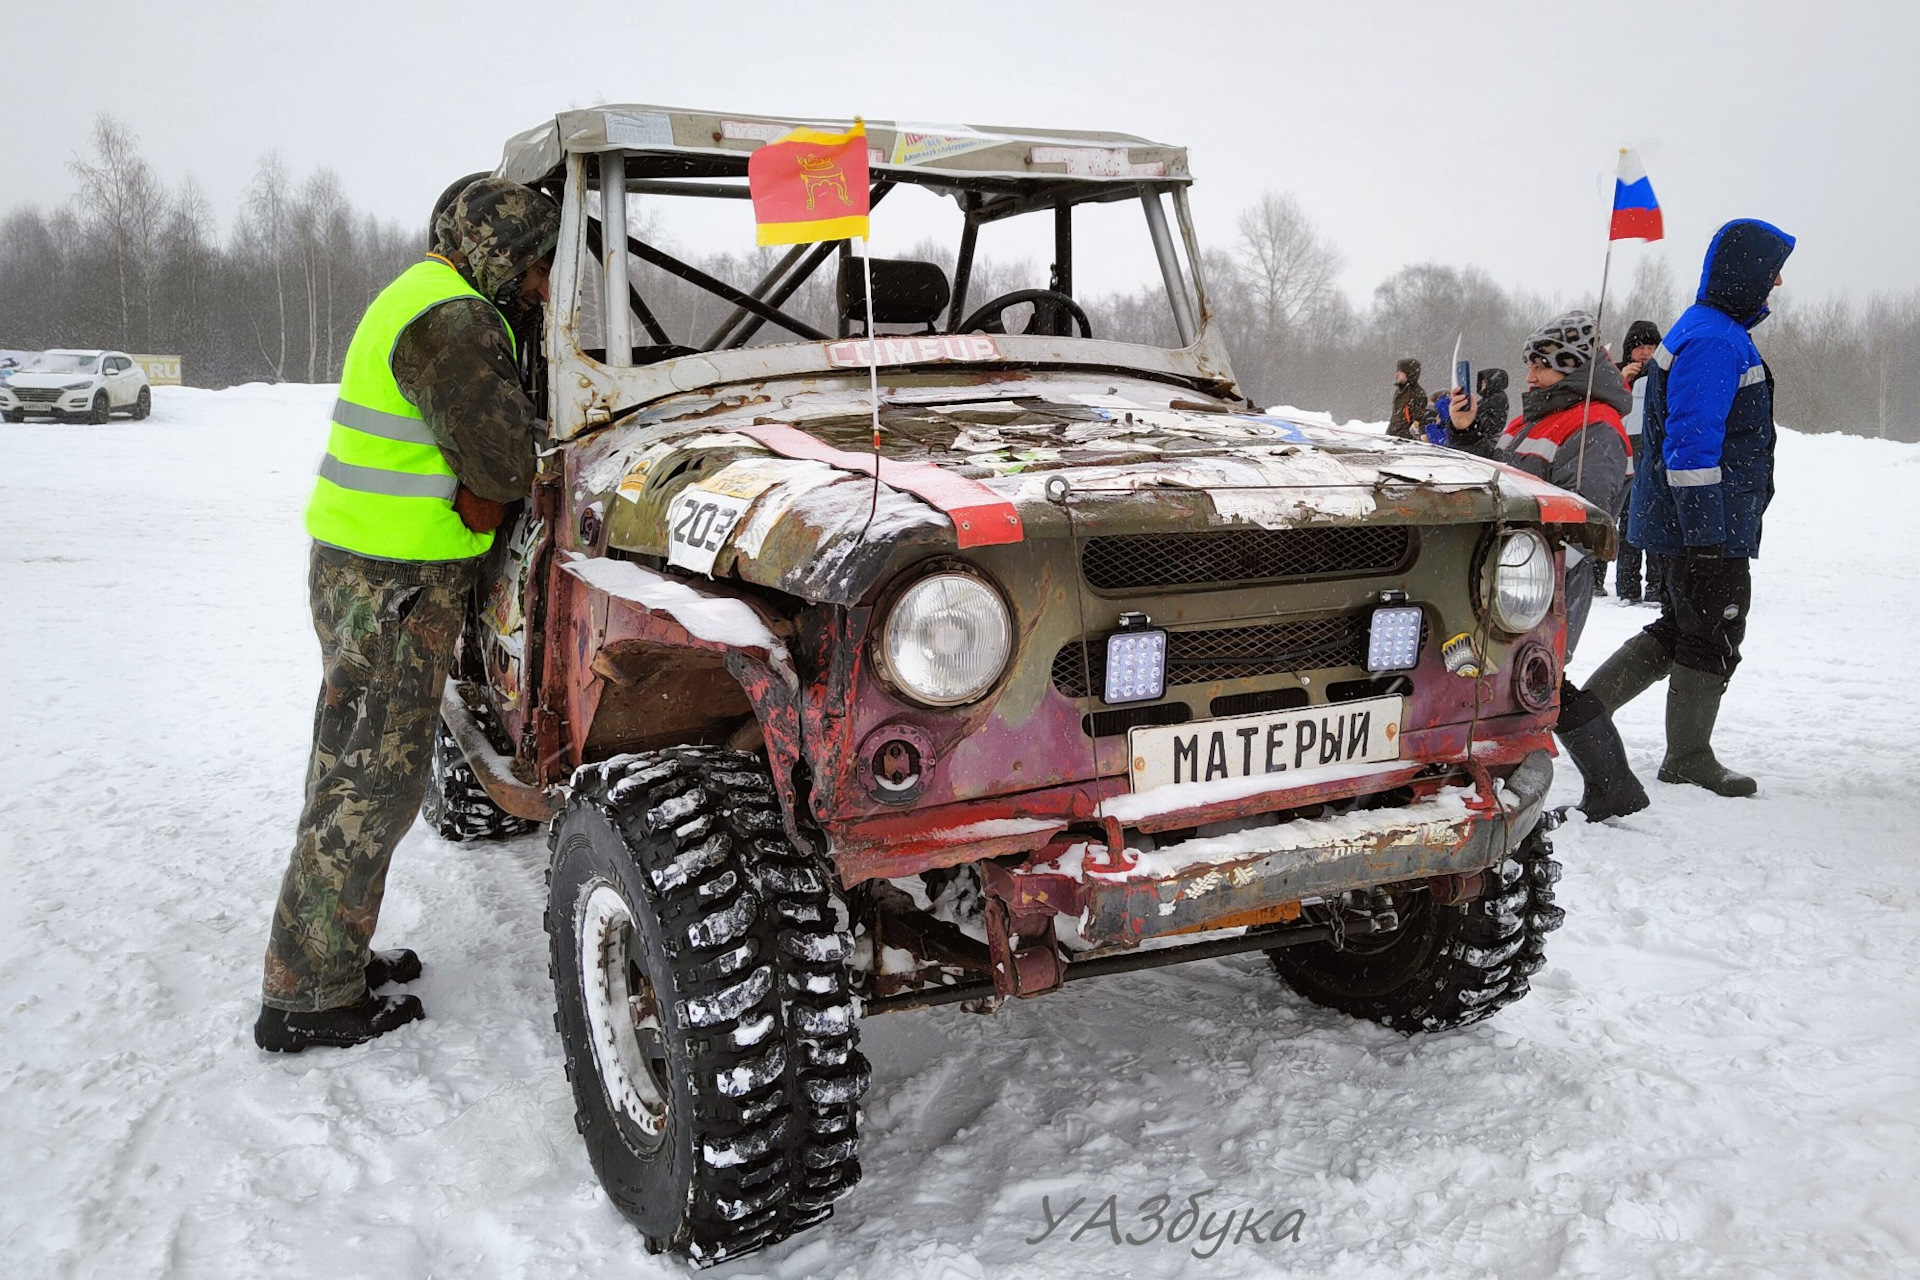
{"x":90,"y":385}
{"x":1089,"y":665}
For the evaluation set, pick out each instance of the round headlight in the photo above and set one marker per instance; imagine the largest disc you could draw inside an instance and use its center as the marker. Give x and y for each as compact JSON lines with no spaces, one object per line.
{"x":947,"y":639}
{"x":1522,"y":581}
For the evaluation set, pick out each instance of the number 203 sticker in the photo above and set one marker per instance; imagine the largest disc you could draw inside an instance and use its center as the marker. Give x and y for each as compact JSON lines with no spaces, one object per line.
{"x":698,"y":524}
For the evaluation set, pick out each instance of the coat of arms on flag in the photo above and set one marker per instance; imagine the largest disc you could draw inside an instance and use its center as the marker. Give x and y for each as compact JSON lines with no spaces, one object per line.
{"x":810,"y":185}
{"x":1636,"y":212}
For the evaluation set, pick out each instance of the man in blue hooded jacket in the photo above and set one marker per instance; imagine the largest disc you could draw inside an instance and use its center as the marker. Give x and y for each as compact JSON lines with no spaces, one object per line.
{"x":1701,"y":484}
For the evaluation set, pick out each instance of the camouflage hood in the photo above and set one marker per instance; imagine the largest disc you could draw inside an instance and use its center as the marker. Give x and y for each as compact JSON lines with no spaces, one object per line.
{"x":502,"y":227}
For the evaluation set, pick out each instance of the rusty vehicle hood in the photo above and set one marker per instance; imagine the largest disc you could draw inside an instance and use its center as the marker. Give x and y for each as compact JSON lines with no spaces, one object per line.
{"x":1135,"y":456}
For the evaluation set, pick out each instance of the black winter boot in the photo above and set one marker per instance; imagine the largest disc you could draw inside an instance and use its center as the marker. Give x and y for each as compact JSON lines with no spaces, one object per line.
{"x":1656,"y":579}
{"x":399,"y":966}
{"x":1626,"y":675}
{"x":1693,"y":704}
{"x":279,"y":1031}
{"x":1626,"y":575}
{"x":1611,"y":790}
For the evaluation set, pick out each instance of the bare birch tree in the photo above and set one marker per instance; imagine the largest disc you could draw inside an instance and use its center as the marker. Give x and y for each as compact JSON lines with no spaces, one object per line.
{"x":1290,"y":267}
{"x":119,"y":204}
{"x":1653,"y":296}
{"x":266,"y":222}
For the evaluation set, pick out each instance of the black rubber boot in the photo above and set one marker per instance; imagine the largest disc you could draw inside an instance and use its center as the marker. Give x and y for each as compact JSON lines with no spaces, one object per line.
{"x":279,"y":1031}
{"x":1693,"y":704}
{"x":399,"y":966}
{"x":1626,"y":576}
{"x":1587,"y":732}
{"x":1656,"y":579}
{"x":1632,"y":669}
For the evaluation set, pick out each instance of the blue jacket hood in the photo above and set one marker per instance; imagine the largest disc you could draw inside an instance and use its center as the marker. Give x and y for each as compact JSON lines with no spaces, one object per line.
{"x":1742,"y":261}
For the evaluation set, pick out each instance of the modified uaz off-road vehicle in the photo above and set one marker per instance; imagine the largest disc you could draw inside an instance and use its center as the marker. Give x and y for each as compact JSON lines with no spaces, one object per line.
{"x":1106,"y":669}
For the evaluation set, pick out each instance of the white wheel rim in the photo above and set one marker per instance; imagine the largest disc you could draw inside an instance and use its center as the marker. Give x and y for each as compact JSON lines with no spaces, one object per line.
{"x":623,"y":1014}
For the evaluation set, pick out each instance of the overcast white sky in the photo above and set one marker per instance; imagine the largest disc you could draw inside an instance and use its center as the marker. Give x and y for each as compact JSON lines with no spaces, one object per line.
{"x":1480,"y":133}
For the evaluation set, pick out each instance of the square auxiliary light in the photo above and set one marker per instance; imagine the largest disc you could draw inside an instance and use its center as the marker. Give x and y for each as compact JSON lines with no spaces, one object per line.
{"x":1136,"y":661}
{"x":1393,"y":641}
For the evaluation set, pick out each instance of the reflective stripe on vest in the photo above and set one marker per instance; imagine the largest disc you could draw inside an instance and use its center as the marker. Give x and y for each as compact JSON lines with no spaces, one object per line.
{"x":384,"y":489}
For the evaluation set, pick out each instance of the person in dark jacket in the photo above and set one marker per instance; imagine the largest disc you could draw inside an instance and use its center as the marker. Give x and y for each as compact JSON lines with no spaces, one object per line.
{"x":1643,"y":337}
{"x":1579,"y":444}
{"x":1482,"y":436}
{"x":1411,"y":408}
{"x":1704,"y":481}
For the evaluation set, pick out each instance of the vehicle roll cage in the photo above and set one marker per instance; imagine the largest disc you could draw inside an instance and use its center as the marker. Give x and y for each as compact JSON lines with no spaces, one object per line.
{"x":982,"y":200}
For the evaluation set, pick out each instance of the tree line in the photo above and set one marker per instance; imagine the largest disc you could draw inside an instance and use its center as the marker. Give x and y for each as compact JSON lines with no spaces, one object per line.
{"x":131,"y":264}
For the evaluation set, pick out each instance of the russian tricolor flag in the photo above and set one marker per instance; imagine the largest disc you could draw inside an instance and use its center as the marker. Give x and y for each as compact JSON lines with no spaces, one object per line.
{"x":1636,"y":212}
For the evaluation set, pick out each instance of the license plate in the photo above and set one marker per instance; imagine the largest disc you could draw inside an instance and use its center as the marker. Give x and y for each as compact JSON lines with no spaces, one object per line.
{"x":1294,"y":746}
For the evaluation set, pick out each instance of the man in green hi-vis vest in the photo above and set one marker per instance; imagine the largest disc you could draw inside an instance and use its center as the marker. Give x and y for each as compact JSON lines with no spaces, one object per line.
{"x":432,"y":434}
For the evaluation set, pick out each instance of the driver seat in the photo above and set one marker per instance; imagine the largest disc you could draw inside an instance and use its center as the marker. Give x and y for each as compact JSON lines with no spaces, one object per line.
{"x":904,"y":292}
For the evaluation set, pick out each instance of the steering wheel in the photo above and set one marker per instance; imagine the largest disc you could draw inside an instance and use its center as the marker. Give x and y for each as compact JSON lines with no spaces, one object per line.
{"x":987,"y":317}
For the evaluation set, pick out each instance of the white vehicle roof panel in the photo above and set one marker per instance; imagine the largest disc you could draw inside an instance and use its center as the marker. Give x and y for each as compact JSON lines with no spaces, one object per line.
{"x":717,"y":144}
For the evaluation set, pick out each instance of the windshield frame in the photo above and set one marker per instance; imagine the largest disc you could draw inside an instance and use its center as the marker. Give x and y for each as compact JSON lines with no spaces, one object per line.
{"x":982,"y":201}
{"x":583,"y":388}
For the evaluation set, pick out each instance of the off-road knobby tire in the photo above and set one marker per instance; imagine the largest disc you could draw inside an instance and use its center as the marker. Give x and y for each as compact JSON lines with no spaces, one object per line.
{"x":142,"y":405}
{"x":455,"y":804}
{"x":102,"y":409}
{"x":763,"y":1083}
{"x":1444,"y":967}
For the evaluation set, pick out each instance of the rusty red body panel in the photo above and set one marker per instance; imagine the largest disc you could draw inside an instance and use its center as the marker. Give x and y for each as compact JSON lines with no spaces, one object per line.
{"x":997,"y":782}
{"x":896,"y":845}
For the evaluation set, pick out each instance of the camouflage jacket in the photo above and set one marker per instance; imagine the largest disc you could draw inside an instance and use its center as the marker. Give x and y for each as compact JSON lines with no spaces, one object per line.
{"x":1411,"y":411}
{"x":453,"y":362}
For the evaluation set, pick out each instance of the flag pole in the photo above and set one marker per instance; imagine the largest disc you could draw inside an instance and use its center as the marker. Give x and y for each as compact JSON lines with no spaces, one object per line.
{"x":873,"y":379}
{"x":1593,"y":365}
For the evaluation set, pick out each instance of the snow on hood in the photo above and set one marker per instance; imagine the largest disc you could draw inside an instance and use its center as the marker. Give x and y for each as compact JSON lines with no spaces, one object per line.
{"x":52,"y":380}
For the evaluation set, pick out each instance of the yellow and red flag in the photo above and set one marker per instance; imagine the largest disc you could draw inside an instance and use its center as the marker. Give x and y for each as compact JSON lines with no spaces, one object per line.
{"x":810,"y":185}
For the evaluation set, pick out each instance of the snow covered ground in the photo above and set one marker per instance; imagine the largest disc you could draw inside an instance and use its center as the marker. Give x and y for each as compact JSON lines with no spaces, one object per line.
{"x":1718,"y":1073}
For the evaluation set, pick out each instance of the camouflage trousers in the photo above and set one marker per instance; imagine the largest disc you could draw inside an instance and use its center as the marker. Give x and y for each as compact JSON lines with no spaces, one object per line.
{"x":387,"y":634}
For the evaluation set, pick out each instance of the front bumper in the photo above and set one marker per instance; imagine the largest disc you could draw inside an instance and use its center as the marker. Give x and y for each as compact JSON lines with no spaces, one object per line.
{"x":68,"y":402}
{"x":1212,"y":882}
{"x":1197,"y":884}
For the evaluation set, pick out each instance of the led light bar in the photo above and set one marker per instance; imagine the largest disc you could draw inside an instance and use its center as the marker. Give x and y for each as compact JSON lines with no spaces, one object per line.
{"x":1393,"y":640}
{"x":1136,"y":665}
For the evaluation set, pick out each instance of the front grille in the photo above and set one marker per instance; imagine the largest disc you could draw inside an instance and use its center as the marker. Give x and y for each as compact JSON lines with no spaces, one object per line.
{"x":1228,"y":653}
{"x":36,"y":395}
{"x":1247,"y":704}
{"x":1144,"y":561}
{"x":1109,"y":724}
{"x":1371,"y":687}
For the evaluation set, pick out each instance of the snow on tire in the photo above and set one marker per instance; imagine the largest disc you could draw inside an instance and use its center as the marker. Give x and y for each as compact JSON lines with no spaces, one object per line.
{"x":455,"y":804}
{"x":1444,"y":966}
{"x":700,"y":965}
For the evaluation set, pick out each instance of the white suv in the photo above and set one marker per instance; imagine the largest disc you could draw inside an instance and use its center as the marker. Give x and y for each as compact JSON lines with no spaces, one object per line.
{"x":76,"y":384}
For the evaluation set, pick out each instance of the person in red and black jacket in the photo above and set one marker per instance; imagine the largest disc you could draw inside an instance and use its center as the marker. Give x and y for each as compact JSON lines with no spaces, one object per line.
{"x":1579,"y":444}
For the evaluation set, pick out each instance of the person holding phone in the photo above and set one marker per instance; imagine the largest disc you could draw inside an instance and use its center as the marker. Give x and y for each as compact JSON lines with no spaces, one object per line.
{"x":1482,"y":436}
{"x":1567,"y":439}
